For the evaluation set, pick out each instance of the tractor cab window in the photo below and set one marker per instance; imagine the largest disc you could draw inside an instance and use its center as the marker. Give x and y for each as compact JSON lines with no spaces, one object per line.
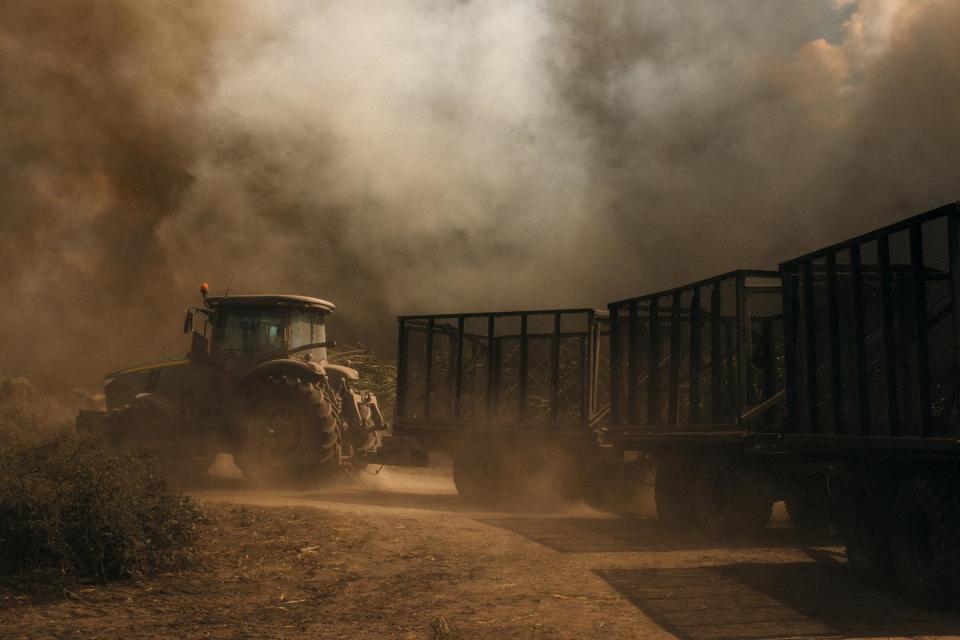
{"x":306,"y":327}
{"x":251,"y":331}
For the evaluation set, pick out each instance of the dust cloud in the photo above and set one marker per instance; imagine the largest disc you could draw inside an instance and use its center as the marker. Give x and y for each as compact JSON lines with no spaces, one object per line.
{"x":440,"y":155}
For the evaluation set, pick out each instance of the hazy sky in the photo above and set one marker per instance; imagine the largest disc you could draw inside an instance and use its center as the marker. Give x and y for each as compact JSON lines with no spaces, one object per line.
{"x":401,"y":157}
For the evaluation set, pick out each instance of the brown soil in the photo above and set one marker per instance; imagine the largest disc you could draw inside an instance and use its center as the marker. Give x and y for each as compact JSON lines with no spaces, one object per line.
{"x":402,"y":558}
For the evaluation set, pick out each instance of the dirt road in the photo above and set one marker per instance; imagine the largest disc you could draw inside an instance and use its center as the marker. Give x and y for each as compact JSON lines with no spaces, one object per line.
{"x":398,"y":556}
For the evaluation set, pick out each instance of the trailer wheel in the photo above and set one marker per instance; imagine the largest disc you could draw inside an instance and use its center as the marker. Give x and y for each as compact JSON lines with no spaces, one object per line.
{"x":925,"y":535}
{"x":810,"y":506}
{"x":288,"y":433}
{"x":476,"y":475}
{"x":731,"y":498}
{"x":866,"y":525}
{"x":673,"y":491}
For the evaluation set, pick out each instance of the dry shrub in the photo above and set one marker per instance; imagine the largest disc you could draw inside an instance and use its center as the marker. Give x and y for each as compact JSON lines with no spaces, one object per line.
{"x":27,"y":413}
{"x":79,"y":508}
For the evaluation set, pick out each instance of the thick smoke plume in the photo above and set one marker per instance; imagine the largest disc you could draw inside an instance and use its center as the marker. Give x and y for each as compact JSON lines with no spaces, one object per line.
{"x":432,"y":156}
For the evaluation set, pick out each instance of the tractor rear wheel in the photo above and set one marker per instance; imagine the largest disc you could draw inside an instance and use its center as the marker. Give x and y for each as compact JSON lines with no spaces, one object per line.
{"x":288,"y":433}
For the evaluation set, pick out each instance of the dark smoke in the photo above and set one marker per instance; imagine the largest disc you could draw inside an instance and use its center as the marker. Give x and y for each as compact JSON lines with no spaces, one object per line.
{"x":440,"y":155}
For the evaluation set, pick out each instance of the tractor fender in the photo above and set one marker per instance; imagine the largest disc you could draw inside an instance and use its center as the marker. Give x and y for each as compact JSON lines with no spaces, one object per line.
{"x":292,"y":369}
{"x":344,"y":372}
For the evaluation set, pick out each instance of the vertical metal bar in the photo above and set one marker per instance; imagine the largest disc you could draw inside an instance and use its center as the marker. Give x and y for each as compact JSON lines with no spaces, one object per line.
{"x":458,"y":379}
{"x":716,"y":356}
{"x":491,"y":366}
{"x":769,"y":371}
{"x":791,"y":376}
{"x":615,"y":364}
{"x":584,"y":350}
{"x":633,"y":344}
{"x":953,"y":232}
{"x":590,"y":367}
{"x":859,"y":343}
{"x":695,"y":337}
{"x":743,"y":347}
{"x":675,"y":351}
{"x":522,"y":390}
{"x":889,"y":337}
{"x":810,"y":348}
{"x":402,"y":363}
{"x":653,"y":365}
{"x":920,"y":327}
{"x":836,"y":370}
{"x":555,"y":369}
{"x":428,"y":372}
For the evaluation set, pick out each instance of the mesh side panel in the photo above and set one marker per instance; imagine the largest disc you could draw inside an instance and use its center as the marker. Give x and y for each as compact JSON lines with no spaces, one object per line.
{"x":727,"y":358}
{"x":821,"y":315}
{"x":802,"y":394}
{"x":638,"y":380}
{"x":539,"y":359}
{"x":683,"y":360}
{"x":574,"y":360}
{"x":766,"y":366}
{"x":659,"y":360}
{"x":847,"y":337}
{"x":602,"y":366}
{"x":443,"y":369}
{"x":506,"y":372}
{"x":903,"y":327}
{"x":873,"y":339}
{"x":416,"y":369}
{"x":706,"y":357}
{"x":942,"y":347}
{"x":474,"y":370}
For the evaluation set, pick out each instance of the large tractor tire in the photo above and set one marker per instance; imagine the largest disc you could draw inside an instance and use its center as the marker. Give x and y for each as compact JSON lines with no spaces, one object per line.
{"x":865,"y":525}
{"x":288,"y":433}
{"x":673,"y":491}
{"x":925,"y":535}
{"x":477,"y":475}
{"x":730,"y":497}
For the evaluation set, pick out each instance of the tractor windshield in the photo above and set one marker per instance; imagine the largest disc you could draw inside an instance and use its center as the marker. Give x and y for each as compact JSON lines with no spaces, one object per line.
{"x":306,"y":327}
{"x":251,"y":331}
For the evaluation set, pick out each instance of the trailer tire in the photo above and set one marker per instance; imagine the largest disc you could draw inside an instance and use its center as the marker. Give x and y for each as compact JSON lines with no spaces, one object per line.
{"x":673,"y":491}
{"x":731,"y":498}
{"x":810,"y":506}
{"x":476,"y":475}
{"x":925,"y":535}
{"x":288,"y":433}
{"x":866,"y":525}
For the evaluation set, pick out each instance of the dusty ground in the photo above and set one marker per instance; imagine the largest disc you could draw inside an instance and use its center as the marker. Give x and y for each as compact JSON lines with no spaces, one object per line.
{"x":400,"y":557}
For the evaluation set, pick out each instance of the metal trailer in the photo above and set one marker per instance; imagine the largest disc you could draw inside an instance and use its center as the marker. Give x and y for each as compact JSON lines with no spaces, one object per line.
{"x":872,"y":335}
{"x":695,"y":372}
{"x":509,"y":394}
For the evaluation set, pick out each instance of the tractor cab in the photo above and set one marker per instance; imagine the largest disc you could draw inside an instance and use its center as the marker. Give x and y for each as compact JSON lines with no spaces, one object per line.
{"x":239,"y":331}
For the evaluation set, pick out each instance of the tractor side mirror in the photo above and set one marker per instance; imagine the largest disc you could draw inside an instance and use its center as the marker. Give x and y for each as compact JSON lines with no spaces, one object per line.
{"x":188,"y":321}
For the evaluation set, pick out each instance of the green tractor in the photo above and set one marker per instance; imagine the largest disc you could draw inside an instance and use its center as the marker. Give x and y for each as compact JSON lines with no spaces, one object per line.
{"x":256,"y":383}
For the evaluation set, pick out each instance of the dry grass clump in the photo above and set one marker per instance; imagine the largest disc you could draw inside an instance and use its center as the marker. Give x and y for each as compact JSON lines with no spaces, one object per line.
{"x":376,"y":375}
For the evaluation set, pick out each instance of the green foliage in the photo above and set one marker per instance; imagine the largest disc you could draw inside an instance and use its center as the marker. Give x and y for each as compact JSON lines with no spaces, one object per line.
{"x":83,"y":509}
